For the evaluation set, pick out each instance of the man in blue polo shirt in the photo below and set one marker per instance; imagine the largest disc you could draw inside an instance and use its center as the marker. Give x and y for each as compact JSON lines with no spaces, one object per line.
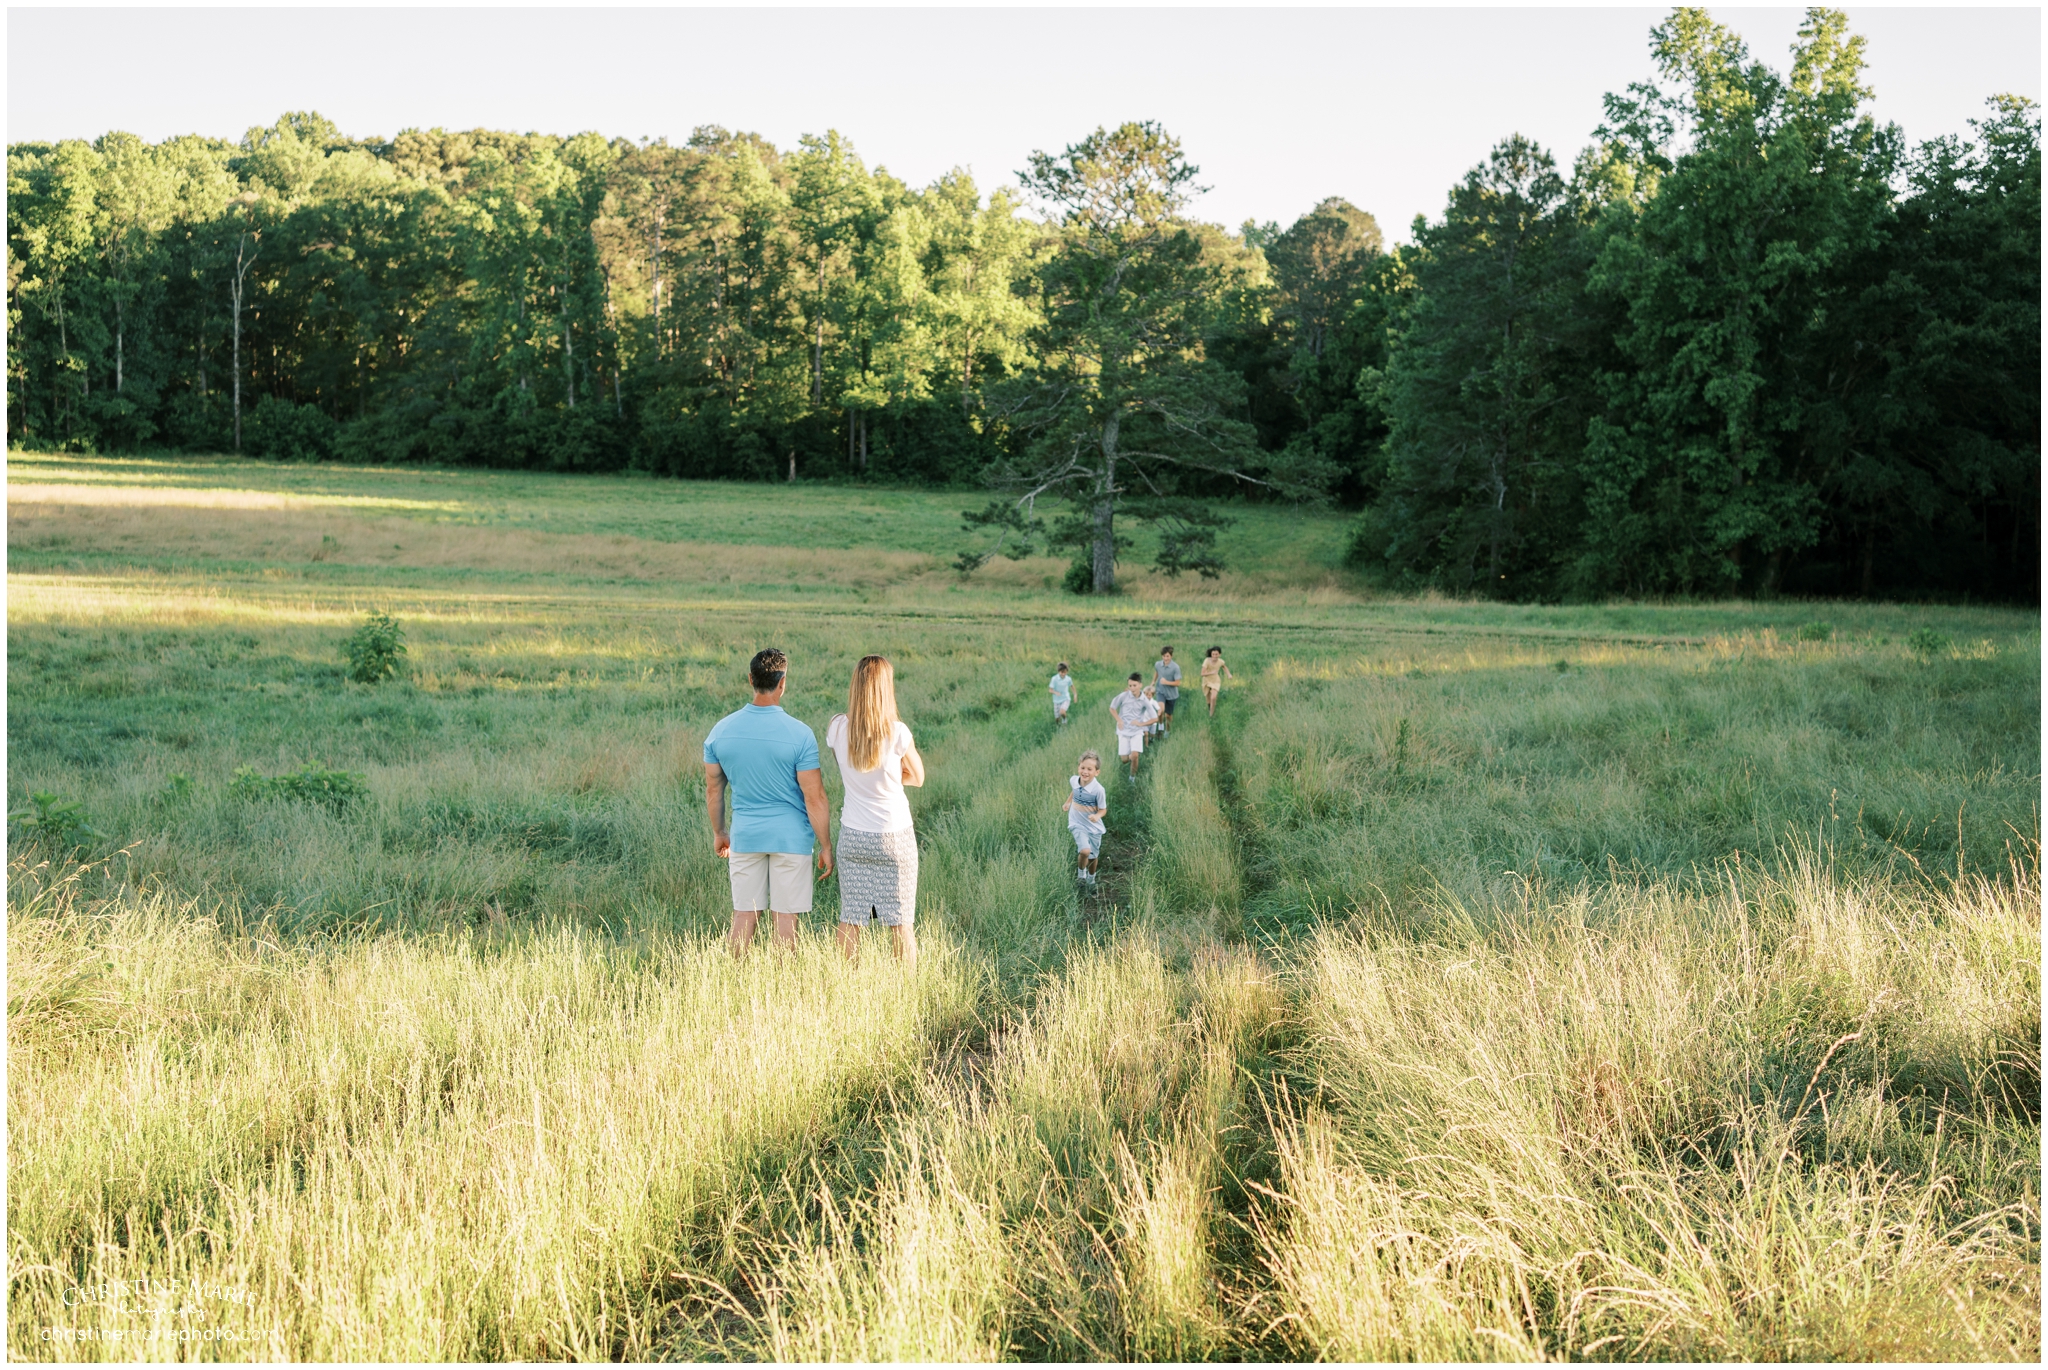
{"x":770,"y":763}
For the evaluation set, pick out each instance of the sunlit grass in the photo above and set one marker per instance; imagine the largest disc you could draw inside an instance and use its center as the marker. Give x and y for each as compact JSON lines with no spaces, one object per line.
{"x":1790,"y":1120}
{"x":442,"y":1149}
{"x":905,"y":530}
{"x":1057,"y":1201}
{"x":1484,"y":981}
{"x":1384,"y":780}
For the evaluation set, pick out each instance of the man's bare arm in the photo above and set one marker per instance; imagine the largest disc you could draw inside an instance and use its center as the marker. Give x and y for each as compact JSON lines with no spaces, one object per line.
{"x":812,"y":783}
{"x":714,"y":802}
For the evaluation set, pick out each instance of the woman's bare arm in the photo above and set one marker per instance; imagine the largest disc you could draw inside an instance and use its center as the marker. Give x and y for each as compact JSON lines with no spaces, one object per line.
{"x":913,"y":769}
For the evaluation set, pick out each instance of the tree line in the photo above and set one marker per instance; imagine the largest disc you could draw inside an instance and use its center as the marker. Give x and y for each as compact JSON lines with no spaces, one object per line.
{"x":1748,"y":342}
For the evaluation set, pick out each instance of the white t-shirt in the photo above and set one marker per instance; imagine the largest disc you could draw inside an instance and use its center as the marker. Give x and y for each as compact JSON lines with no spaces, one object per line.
{"x":874,"y":800}
{"x":1133,"y":712}
{"x":1062,"y":687}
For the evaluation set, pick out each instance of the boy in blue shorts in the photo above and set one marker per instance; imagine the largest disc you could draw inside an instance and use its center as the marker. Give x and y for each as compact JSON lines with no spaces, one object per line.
{"x":1086,"y":803}
{"x":1166,"y":677}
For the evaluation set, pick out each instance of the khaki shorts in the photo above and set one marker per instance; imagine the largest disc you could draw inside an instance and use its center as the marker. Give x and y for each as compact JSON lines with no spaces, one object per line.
{"x":773,"y":882}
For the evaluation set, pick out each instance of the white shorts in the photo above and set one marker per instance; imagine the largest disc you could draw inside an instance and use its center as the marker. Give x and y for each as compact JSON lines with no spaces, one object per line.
{"x":1088,"y":842}
{"x":773,"y":882}
{"x":1059,"y":708}
{"x":1131,"y":742}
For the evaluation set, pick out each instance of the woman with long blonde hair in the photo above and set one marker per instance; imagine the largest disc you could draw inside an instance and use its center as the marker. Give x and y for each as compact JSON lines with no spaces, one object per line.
{"x":877,"y":846}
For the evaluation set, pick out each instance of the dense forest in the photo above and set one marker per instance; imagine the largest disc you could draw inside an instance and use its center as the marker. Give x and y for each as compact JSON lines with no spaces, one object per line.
{"x":1748,"y":341}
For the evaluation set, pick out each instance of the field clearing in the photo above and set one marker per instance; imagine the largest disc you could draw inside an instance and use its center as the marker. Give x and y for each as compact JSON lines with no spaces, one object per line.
{"x":1630,"y":981}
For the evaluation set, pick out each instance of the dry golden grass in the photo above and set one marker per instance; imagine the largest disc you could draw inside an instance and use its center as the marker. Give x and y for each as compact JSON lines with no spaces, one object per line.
{"x":1059,"y":1201}
{"x":307,"y":532}
{"x":1665,"y":1123}
{"x":286,"y":534}
{"x":96,"y":496}
{"x":444,"y":1149}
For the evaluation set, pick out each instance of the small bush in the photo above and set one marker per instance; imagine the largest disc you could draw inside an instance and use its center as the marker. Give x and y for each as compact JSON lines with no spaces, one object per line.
{"x":59,"y":824}
{"x":373,"y":649}
{"x":310,"y":783}
{"x":284,"y":431}
{"x":1367,"y":544}
{"x":177,"y":788}
{"x":1817,"y":632}
{"x":1080,"y":577}
{"x":1926,"y":644}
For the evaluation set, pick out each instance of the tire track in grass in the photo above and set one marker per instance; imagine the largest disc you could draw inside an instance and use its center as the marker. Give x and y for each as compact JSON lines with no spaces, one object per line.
{"x":1247,"y":834}
{"x":714,"y":1306}
{"x":1179,"y":855}
{"x":841,"y":1213}
{"x":1112,"y":901}
{"x":1198,"y":1118}
{"x":1247,"y":1160}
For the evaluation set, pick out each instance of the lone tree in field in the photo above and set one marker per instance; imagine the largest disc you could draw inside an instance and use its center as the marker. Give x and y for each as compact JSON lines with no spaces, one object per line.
{"x":1124,"y":397}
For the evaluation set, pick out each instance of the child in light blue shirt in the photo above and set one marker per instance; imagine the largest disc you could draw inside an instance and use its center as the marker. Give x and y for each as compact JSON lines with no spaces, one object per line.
{"x":1062,"y":688}
{"x":1087,"y":801}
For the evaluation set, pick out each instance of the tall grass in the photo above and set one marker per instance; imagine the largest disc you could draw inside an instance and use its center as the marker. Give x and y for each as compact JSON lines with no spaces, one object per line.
{"x":527,"y":766}
{"x":1056,"y":1199}
{"x":1193,"y":870}
{"x":1388,"y":777}
{"x":1621,"y":981}
{"x":407,"y":1148}
{"x":1794,"y":1118}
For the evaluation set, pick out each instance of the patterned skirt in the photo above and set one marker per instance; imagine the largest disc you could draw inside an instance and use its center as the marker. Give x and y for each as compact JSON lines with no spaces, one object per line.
{"x":878,"y":877}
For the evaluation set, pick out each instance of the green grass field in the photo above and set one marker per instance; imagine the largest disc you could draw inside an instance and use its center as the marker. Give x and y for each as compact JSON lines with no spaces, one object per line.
{"x":1628,"y":981}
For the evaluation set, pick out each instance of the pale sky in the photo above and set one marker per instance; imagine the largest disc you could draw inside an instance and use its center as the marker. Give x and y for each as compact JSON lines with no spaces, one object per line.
{"x":1279,"y":107}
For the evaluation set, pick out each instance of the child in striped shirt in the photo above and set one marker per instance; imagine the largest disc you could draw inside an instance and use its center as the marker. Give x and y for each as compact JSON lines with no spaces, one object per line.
{"x":1086,"y":804}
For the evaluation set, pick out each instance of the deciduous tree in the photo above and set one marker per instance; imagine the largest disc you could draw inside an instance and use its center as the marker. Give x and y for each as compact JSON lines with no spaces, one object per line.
{"x":1488,"y":388}
{"x":1125,"y":397}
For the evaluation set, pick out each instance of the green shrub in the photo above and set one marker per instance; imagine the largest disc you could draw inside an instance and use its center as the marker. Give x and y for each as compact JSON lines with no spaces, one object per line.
{"x":1080,"y":577}
{"x":310,"y":783}
{"x":62,"y":825}
{"x":177,"y":787}
{"x":373,"y":649}
{"x":1926,"y":644}
{"x":285,"y":431}
{"x":1367,"y":543}
{"x":1817,"y":632}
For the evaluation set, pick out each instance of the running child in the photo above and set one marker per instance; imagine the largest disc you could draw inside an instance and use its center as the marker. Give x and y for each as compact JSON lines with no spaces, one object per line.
{"x":1086,"y":803}
{"x":1062,"y":687}
{"x":1132,"y":712}
{"x":1213,"y":673}
{"x":1166,"y":676}
{"x":1157,"y":724}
